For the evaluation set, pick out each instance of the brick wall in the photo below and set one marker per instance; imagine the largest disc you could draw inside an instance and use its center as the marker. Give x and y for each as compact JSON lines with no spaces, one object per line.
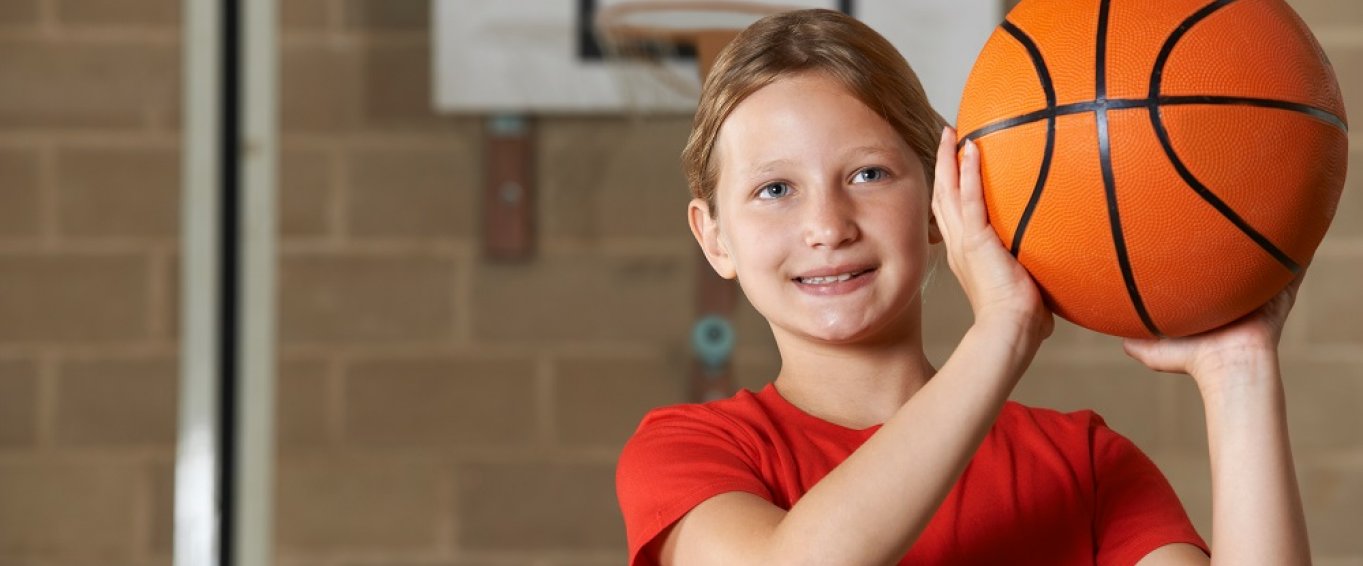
{"x":436,"y":408}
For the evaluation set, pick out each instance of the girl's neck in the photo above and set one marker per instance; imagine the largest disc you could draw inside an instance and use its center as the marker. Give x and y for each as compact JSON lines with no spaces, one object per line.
{"x":855,"y":386}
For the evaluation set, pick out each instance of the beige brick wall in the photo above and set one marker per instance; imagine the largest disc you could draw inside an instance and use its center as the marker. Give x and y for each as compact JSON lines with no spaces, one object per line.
{"x":436,"y":408}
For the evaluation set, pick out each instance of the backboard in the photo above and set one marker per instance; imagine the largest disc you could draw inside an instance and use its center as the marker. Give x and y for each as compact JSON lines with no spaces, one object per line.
{"x":540,"y":56}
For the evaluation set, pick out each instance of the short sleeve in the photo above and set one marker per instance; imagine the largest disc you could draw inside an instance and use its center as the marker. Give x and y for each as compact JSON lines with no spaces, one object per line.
{"x":678,"y":458}
{"x":1136,"y":509}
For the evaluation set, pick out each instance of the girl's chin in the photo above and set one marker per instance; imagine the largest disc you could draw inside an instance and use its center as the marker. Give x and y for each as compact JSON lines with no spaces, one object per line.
{"x":842,"y":334}
{"x":848,"y":331}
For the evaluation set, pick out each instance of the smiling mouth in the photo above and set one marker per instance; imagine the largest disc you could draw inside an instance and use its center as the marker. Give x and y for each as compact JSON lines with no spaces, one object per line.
{"x":831,"y":279}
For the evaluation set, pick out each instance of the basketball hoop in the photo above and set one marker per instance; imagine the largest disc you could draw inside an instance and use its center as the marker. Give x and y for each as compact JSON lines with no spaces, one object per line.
{"x":653,"y":36}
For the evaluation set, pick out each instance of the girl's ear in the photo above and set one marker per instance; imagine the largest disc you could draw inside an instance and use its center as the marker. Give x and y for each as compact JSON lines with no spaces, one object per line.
{"x":934,"y":233}
{"x":706,"y":230}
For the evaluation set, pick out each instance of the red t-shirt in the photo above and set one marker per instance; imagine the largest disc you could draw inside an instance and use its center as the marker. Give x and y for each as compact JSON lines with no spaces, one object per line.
{"x":1045,"y":487}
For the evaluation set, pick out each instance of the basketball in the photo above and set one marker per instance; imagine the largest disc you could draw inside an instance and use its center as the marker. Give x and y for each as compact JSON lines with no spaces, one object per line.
{"x":1161,"y":168}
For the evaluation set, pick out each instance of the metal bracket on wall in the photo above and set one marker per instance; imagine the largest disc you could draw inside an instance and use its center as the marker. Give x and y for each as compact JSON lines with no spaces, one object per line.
{"x":508,"y":196}
{"x":713,"y":337}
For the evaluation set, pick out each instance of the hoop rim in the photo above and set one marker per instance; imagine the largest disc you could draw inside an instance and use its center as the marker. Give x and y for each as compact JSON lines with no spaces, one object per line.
{"x":610,"y":19}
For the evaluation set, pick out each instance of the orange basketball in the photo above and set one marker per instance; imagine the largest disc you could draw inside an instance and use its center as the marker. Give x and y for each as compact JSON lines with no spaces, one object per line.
{"x":1161,"y":167}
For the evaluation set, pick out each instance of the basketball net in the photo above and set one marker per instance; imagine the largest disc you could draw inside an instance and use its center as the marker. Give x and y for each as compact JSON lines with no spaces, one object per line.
{"x":644,"y":42}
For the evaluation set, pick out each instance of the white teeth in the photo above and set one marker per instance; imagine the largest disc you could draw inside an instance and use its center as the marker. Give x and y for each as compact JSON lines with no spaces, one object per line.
{"x":825,"y":280}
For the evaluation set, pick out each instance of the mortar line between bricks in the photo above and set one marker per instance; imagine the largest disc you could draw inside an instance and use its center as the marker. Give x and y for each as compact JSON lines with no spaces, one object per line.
{"x":435,"y":142}
{"x":357,"y":38}
{"x":622,"y":247}
{"x":335,"y":18}
{"x":1340,"y":248}
{"x":312,"y":556}
{"x":49,"y":205}
{"x":335,"y":401}
{"x":88,"y":246}
{"x":91,"y":139}
{"x":144,"y":494}
{"x":158,"y":295}
{"x":545,"y":374}
{"x":1333,"y":459}
{"x":540,"y":557}
{"x":47,"y":361}
{"x":77,"y":351}
{"x":1297,"y":327}
{"x":88,"y":35}
{"x":1338,"y":36}
{"x":1328,"y":352}
{"x":463,"y":301}
{"x":1100,"y":353}
{"x":1166,"y":429}
{"x":1342,"y":459}
{"x":47,"y":17}
{"x":336,"y":191}
{"x":447,"y":516}
{"x":380,"y":249}
{"x":123,"y":244}
{"x":477,"y":454}
{"x":156,"y":119}
{"x":339,"y":235}
{"x":484,"y":350}
{"x":130,"y":456}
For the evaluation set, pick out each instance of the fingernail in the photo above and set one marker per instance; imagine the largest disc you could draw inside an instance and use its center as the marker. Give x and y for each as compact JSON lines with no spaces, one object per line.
{"x":970,"y":148}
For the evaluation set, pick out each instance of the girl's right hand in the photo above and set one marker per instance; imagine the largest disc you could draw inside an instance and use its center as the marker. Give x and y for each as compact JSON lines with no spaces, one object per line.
{"x":999,"y":289}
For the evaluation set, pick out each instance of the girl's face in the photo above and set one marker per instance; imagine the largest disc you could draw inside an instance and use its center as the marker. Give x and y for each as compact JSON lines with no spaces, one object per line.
{"x":823,"y":213}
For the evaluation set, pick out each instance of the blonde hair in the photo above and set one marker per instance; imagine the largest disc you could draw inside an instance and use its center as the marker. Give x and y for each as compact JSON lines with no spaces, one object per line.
{"x":818,"y":40}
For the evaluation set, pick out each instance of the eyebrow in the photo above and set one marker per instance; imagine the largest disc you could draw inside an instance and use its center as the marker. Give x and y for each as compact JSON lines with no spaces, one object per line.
{"x":768,"y":167}
{"x":870,"y":149}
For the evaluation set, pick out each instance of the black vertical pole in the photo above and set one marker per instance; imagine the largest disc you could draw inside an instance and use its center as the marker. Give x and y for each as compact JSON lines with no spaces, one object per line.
{"x":229,"y":259}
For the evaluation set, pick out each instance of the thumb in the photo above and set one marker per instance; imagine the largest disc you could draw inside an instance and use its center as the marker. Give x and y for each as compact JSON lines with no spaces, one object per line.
{"x":1159,"y":355}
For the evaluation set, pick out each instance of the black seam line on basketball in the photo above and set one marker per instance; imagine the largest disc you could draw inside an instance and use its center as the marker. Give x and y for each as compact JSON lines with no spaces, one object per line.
{"x":1045,"y":113}
{"x":1048,"y":87}
{"x":1157,"y":73}
{"x":1114,"y":216}
{"x":1211,"y":198}
{"x":1126,"y":103}
{"x":1039,"y":62}
{"x":1312,"y":111}
{"x":1100,"y":67}
{"x":1114,"y":219}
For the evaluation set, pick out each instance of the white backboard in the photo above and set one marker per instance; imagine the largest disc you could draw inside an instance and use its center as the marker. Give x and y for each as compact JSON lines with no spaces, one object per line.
{"x":532,"y":56}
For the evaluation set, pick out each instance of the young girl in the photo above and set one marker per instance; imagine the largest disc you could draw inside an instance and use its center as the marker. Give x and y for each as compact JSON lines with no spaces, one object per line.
{"x":812,"y":164}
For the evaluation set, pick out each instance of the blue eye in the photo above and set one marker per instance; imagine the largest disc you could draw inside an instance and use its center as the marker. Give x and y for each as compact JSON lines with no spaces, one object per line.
{"x":869,"y":174}
{"x":773,"y":191}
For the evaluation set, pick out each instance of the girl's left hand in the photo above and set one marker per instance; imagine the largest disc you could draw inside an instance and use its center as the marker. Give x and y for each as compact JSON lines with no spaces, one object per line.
{"x":1252,"y":339}
{"x":995,"y":284}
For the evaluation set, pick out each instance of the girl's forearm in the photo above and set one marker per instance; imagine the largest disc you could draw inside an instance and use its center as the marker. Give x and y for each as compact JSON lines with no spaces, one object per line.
{"x":871,"y":508}
{"x":1256,"y":507}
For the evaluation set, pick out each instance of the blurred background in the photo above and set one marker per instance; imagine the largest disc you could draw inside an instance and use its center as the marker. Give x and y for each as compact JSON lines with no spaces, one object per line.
{"x":434,"y":405}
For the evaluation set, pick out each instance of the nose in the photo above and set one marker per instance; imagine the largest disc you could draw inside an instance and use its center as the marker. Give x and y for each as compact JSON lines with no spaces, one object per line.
{"x":830,"y":221}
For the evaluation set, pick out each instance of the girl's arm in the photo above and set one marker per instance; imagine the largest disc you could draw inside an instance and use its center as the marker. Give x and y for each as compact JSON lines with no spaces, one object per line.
{"x":872,"y":506}
{"x":1256,"y":508}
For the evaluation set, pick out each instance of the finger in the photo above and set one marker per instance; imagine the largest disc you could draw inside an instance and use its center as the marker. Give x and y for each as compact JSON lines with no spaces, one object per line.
{"x":946,"y":160}
{"x":944,"y":195}
{"x":972,"y":187}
